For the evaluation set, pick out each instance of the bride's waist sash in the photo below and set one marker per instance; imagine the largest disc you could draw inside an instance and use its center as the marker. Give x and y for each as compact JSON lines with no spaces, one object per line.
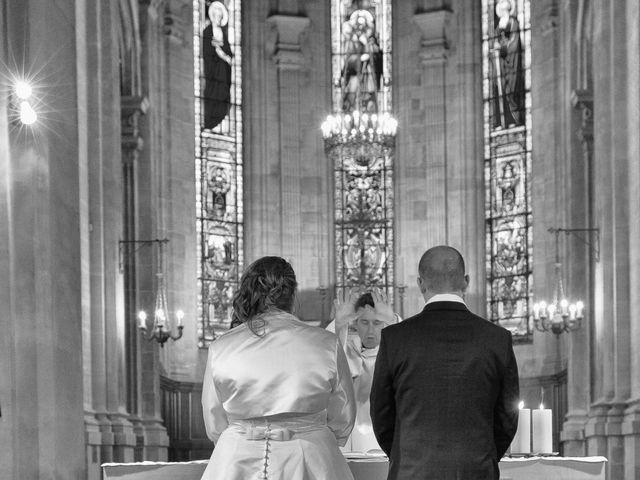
{"x":278,"y":427}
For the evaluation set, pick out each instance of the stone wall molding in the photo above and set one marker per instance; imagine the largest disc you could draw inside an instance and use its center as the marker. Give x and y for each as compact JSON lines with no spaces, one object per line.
{"x":582,"y":100}
{"x":287,"y":51}
{"x":435,"y":42}
{"x":177,"y":24}
{"x":131,"y":108}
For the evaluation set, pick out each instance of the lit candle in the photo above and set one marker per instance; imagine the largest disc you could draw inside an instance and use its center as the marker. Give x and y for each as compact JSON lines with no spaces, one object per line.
{"x":179,"y":316}
{"x":536,"y":311}
{"x":522,"y":441}
{"x":142,"y":319}
{"x":564,"y":306}
{"x":542,"y":431}
{"x":160,"y":317}
{"x":579,"y":307}
{"x":543,"y":308}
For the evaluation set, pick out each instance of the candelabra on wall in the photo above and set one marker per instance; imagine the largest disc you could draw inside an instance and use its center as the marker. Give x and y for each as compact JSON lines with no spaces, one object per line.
{"x":560,"y":315}
{"x":162,"y":327}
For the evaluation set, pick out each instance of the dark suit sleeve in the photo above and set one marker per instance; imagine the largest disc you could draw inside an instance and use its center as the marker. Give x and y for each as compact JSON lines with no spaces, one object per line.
{"x":505,"y":415}
{"x":383,"y":407}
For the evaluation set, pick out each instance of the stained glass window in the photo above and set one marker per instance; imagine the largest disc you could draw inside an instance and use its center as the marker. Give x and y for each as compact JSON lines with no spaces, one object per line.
{"x":507,"y":158}
{"x":360,"y":141}
{"x":218,"y":94}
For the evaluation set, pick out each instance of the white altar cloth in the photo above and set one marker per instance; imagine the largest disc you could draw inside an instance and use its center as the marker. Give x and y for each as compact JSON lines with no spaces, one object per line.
{"x":375,"y":468}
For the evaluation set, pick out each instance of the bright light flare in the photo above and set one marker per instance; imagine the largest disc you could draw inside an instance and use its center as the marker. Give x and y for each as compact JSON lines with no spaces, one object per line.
{"x":23,"y":90}
{"x":28,"y":115}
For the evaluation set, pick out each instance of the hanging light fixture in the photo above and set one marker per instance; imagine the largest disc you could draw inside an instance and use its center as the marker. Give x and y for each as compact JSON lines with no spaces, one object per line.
{"x":560,"y":315}
{"x":162,"y":328}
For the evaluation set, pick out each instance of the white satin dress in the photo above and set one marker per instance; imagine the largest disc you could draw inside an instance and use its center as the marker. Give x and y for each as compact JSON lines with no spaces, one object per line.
{"x":278,"y":406}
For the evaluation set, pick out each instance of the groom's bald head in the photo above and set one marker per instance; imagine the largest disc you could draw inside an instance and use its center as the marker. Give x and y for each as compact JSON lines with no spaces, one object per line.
{"x":442,"y":270}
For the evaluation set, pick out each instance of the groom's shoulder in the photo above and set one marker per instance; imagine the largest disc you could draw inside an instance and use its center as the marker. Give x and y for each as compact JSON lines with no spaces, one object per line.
{"x":404,"y":326}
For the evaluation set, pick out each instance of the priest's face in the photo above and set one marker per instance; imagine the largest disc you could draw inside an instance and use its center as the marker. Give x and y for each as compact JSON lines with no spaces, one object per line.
{"x":369,"y":328}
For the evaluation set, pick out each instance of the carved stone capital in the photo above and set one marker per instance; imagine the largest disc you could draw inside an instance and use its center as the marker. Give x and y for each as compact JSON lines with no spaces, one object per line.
{"x":176,"y":23}
{"x":157,"y":5}
{"x":131,"y":108}
{"x":435,"y":41}
{"x":548,"y":21}
{"x":287,"y":52}
{"x":583,"y":101}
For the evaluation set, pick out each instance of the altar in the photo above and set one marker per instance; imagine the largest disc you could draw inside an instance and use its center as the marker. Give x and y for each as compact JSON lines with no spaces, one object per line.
{"x":376,"y":468}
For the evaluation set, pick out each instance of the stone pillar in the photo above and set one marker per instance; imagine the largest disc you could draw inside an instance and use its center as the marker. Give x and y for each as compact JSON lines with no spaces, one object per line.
{"x":289,"y":62}
{"x":572,"y":435}
{"x":165,"y":195}
{"x":631,"y":422}
{"x":131,"y":108}
{"x":611,"y":163}
{"x":433,"y":55}
{"x":549,"y":166}
{"x":420,"y":56}
{"x":42,"y":434}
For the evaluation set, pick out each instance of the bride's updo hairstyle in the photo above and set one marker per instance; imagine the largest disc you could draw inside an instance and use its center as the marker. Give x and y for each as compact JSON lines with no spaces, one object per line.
{"x":268,"y":283}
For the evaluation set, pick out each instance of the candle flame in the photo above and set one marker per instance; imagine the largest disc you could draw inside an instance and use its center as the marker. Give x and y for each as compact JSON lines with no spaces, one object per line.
{"x":521,"y":405}
{"x":542,"y":406}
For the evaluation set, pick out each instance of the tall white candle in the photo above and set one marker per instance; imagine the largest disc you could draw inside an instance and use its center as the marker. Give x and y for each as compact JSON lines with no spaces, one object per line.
{"x":522,"y":441}
{"x":542,"y":432}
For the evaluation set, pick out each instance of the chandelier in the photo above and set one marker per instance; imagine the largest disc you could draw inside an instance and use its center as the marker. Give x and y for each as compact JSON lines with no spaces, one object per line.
{"x":359,"y":128}
{"x":560,"y":315}
{"x":162,"y":327}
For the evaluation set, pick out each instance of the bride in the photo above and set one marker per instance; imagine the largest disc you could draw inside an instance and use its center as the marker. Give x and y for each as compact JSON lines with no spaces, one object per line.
{"x":277,"y":395}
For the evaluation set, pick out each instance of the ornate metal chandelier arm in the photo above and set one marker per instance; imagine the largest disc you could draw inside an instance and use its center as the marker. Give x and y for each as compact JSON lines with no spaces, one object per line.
{"x":122,"y":252}
{"x":595,"y":246}
{"x":177,"y":335}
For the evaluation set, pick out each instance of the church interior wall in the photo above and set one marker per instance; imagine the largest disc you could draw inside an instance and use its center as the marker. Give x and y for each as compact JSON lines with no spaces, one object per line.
{"x":81,"y":387}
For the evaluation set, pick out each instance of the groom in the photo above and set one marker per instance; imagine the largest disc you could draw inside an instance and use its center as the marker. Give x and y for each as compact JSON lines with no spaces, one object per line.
{"x":445,"y":388}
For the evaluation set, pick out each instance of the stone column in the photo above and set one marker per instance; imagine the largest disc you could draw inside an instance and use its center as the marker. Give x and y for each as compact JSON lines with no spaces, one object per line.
{"x":572,"y":435}
{"x":433,"y":55}
{"x":612,"y":217}
{"x":289,"y":62}
{"x":131,"y":108}
{"x":43,"y":433}
{"x":631,"y":422}
{"x":155,"y":26}
{"x":420,"y":87}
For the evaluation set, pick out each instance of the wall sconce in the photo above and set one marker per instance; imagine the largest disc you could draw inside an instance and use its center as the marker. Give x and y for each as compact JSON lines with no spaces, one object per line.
{"x":162,"y":327}
{"x":561,"y":315}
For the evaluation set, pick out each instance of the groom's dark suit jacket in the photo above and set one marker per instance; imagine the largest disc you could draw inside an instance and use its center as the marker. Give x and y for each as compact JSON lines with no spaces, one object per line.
{"x":444,"y":399}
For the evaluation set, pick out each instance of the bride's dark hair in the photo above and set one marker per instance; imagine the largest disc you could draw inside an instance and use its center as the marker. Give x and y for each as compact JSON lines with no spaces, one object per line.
{"x":268,"y":283}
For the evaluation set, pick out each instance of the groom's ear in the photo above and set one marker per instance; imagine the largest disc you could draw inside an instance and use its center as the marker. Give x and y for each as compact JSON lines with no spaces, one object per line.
{"x":466,"y":282}
{"x":421,"y":285}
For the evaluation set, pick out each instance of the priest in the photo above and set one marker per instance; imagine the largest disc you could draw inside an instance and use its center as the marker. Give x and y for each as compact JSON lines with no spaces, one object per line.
{"x":358,"y":324}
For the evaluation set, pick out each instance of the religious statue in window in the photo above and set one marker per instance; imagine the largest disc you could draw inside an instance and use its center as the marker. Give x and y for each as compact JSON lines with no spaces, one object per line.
{"x":508,"y":86}
{"x":216,"y":55}
{"x":219,"y":184}
{"x":362,"y":69}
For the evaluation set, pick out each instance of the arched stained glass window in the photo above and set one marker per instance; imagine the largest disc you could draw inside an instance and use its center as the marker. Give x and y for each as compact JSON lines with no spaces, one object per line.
{"x":360,"y":142}
{"x":506,"y":29}
{"x":218,"y":136}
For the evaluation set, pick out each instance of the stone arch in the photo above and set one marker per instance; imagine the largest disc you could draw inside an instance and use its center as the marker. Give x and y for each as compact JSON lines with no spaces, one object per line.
{"x":584,"y":45}
{"x":129,"y":47}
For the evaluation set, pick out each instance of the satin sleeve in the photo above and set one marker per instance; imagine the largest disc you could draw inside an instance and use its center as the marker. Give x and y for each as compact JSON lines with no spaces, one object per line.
{"x":341,"y":411}
{"x":215,"y":418}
